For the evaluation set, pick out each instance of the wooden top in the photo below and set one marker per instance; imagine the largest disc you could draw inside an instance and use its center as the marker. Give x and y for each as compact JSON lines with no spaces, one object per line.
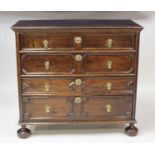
{"x":40,"y":24}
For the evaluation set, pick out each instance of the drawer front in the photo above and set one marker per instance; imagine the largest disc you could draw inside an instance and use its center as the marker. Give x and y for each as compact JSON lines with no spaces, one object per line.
{"x":109,"y":41}
{"x":56,"y":108}
{"x":78,"y":108}
{"x":107,"y":108}
{"x":77,"y":63}
{"x":109,"y":85}
{"x":93,"y":85}
{"x":48,"y":86}
{"x":77,"y":40}
{"x":45,"y":42}
{"x":47,"y":64}
{"x":112,"y":64}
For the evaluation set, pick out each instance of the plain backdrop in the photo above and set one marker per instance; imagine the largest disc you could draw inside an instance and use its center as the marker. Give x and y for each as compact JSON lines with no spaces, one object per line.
{"x":146,"y":83}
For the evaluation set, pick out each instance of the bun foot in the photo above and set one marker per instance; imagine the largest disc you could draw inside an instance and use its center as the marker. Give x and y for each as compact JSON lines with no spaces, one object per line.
{"x":23,"y":132}
{"x":131,"y":130}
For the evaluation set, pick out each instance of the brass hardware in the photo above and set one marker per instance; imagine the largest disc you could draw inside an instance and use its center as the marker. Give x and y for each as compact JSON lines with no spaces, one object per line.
{"x":47,"y":65}
{"x":109,"y":43}
{"x":47,"y":109}
{"x":45,"y":43}
{"x":108,"y":107}
{"x":78,"y":82}
{"x":47,"y":87}
{"x":78,"y":40}
{"x":71,"y":83}
{"x":77,"y":100}
{"x":109,"y":85}
{"x":109,"y":64}
{"x":78,"y":57}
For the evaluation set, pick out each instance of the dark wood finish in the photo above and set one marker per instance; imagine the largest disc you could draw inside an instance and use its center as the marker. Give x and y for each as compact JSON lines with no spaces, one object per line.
{"x":99,"y":85}
{"x":24,"y":132}
{"x":56,"y":85}
{"x":66,"y":40}
{"x":59,"y":64}
{"x":95,"y":108}
{"x":65,"y":109}
{"x":123,"y":64}
{"x":41,"y":24}
{"x":131,"y":130}
{"x":93,"y":85}
{"x":77,"y":72}
{"x":58,"y":40}
{"x":66,"y":64}
{"x":35,"y":108}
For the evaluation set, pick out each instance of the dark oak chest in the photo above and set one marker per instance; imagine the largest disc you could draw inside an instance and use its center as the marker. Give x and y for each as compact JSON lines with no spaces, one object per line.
{"x":77,"y":72}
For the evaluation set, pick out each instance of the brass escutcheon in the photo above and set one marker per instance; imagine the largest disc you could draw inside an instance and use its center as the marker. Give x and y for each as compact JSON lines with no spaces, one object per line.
{"x":45,"y":44}
{"x":108,"y":107}
{"x":109,"y":43}
{"x":109,"y":64}
{"x":47,"y":109}
{"x":78,"y":40}
{"x":78,"y":57}
{"x":47,"y":87}
{"x":109,"y":85}
{"x":78,"y":82}
{"x":47,"y":65}
{"x":77,"y":100}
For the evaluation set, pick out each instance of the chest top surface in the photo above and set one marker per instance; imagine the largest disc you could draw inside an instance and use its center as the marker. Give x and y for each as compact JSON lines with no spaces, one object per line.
{"x":39,"y":24}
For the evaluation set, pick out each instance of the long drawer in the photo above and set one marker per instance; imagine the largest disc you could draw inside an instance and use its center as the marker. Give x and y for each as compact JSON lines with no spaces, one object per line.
{"x":67,"y":64}
{"x":77,"y":40}
{"x":77,"y":108}
{"x":74,"y":85}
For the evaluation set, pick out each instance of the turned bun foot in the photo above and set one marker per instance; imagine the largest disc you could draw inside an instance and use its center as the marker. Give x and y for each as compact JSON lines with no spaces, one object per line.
{"x":24,"y":132}
{"x":131,"y":130}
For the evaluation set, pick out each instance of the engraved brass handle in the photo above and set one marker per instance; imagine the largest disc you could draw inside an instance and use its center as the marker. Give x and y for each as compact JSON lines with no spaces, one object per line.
{"x":47,"y":87}
{"x":109,"y":85}
{"x":108,"y":107}
{"x":109,"y":43}
{"x":78,"y":40}
{"x":77,"y":100}
{"x":47,"y":109}
{"x":45,"y":43}
{"x":47,"y":65}
{"x":109,"y":64}
{"x":78,"y":57}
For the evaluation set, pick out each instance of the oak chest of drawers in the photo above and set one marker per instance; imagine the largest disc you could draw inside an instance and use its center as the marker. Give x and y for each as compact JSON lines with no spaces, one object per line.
{"x":77,"y":72}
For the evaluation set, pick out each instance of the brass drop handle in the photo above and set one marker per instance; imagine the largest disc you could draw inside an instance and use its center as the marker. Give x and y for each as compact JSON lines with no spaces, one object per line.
{"x":78,"y":57}
{"x":47,"y":65}
{"x":47,"y":109}
{"x":77,"y":82}
{"x":78,"y":40}
{"x":77,"y":100}
{"x":108,"y":108}
{"x":109,"y":64}
{"x":109,"y":85}
{"x":45,"y":44}
{"x":109,"y":43}
{"x":47,"y":87}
